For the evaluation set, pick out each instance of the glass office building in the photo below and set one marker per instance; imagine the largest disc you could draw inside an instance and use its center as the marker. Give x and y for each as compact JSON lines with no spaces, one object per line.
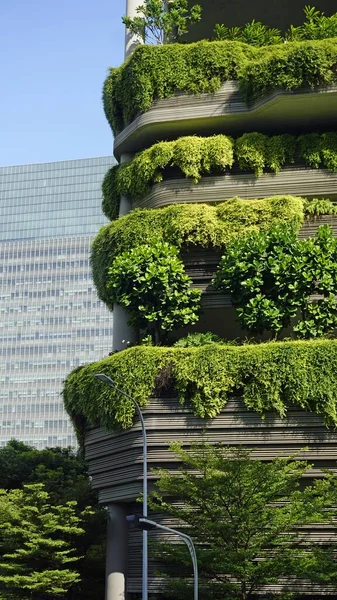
{"x":51,"y":319}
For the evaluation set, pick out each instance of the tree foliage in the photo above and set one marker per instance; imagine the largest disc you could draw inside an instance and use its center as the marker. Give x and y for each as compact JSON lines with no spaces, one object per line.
{"x":248,"y":518}
{"x":151,"y":284}
{"x":64,"y":476}
{"x":162,"y":22}
{"x":36,"y":544}
{"x":274,"y":277}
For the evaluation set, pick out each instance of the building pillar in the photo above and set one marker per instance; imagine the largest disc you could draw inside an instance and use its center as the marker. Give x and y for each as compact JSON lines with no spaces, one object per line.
{"x":116,"y":553}
{"x":131,"y":40}
{"x":123,"y":334}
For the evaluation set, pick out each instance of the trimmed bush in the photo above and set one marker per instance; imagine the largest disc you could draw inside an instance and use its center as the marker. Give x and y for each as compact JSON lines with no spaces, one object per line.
{"x":155,"y":72}
{"x":270,"y":377}
{"x":187,"y":226}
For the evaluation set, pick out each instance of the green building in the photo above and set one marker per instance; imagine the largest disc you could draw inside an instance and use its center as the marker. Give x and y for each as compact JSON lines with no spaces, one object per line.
{"x":223,"y":93}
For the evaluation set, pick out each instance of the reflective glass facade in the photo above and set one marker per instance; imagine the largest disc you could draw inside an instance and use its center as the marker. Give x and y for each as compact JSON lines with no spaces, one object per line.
{"x":51,"y":319}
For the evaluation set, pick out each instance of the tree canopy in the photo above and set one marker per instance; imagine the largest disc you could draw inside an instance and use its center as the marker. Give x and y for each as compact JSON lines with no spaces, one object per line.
{"x":248,"y":518}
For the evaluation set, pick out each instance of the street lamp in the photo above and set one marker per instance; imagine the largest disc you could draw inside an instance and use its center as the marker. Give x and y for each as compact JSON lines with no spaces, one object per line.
{"x":146,"y":525}
{"x":108,"y":381}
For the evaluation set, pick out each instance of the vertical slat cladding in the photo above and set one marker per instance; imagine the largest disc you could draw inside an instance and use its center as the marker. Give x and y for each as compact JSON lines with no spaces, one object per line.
{"x":115,"y":460}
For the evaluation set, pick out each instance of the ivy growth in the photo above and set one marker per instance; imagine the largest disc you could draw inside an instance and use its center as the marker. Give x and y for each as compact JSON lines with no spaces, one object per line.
{"x":273,"y":276}
{"x":187,"y":226}
{"x":151,"y":284}
{"x":155,"y":72}
{"x":272,"y":376}
{"x":196,"y":157}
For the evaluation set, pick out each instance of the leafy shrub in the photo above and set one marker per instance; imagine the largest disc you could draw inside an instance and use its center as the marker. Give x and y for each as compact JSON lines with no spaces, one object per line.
{"x":187,"y":226}
{"x":111,"y":193}
{"x":289,"y":66}
{"x":151,"y":284}
{"x":163,"y":23}
{"x":319,"y":206}
{"x":197,"y":156}
{"x":193,"y":340}
{"x":272,"y":376}
{"x":256,"y":152}
{"x":315,"y":27}
{"x":254,"y":33}
{"x":155,"y":72}
{"x":272,"y":277}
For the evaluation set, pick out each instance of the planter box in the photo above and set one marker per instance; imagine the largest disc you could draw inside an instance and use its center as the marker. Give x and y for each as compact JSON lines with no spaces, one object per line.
{"x":225,"y":111}
{"x":295,"y":181}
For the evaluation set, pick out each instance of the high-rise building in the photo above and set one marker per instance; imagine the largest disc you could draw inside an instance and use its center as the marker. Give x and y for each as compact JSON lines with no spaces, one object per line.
{"x":214,"y":139}
{"x":51,"y":318}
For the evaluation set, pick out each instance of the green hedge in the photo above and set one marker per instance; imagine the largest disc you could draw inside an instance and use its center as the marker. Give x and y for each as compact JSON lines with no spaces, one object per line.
{"x":197,"y":156}
{"x":154,"y":72}
{"x":187,"y":225}
{"x":271,"y":377}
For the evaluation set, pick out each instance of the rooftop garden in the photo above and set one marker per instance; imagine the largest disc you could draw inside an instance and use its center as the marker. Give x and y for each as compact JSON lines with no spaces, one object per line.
{"x":195,"y":157}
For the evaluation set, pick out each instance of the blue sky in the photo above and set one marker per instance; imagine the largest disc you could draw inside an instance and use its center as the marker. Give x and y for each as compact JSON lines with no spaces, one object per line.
{"x":54,"y":58}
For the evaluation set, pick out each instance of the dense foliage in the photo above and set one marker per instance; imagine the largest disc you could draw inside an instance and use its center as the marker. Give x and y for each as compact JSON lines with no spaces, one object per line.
{"x":317,"y":26}
{"x":196,"y":157}
{"x":151,"y":284}
{"x":64,"y":477}
{"x":155,"y":72}
{"x":270,"y":376}
{"x":37,"y":544}
{"x":187,"y":226}
{"x":272,"y":277}
{"x":247,"y":518}
{"x":163,"y":23}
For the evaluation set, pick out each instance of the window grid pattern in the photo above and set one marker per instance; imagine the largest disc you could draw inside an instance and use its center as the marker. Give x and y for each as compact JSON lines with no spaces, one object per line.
{"x":51,"y":319}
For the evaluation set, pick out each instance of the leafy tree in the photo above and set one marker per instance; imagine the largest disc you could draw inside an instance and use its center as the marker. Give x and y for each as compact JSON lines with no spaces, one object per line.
{"x":163,"y":22}
{"x":64,"y":476}
{"x":36,"y":544}
{"x":151,"y":284}
{"x":248,"y":518}
{"x":274,"y":277}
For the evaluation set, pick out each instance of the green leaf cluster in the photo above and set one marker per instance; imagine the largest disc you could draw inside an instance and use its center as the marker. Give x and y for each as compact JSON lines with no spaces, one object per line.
{"x":272,"y":277}
{"x":64,"y":476}
{"x":271,"y":376}
{"x":254,"y":33}
{"x":247,"y":518}
{"x":187,"y":226}
{"x":196,"y":157}
{"x":150,"y":282}
{"x":317,"y":26}
{"x":36,"y":540}
{"x":163,"y":23}
{"x":155,"y":72}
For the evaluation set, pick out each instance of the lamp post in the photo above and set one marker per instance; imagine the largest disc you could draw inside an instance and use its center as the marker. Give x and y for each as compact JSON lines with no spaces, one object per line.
{"x":108,"y":381}
{"x":146,"y":525}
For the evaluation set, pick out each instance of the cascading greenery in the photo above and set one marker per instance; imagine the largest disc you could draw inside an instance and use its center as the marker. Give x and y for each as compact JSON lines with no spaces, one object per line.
{"x":197,"y":156}
{"x":187,"y":226}
{"x":155,"y":72}
{"x":270,"y":377}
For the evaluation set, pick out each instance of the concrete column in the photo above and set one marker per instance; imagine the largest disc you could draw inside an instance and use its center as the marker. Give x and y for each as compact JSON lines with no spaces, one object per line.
{"x":123,"y":334}
{"x":116,"y":553}
{"x":131,"y":40}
